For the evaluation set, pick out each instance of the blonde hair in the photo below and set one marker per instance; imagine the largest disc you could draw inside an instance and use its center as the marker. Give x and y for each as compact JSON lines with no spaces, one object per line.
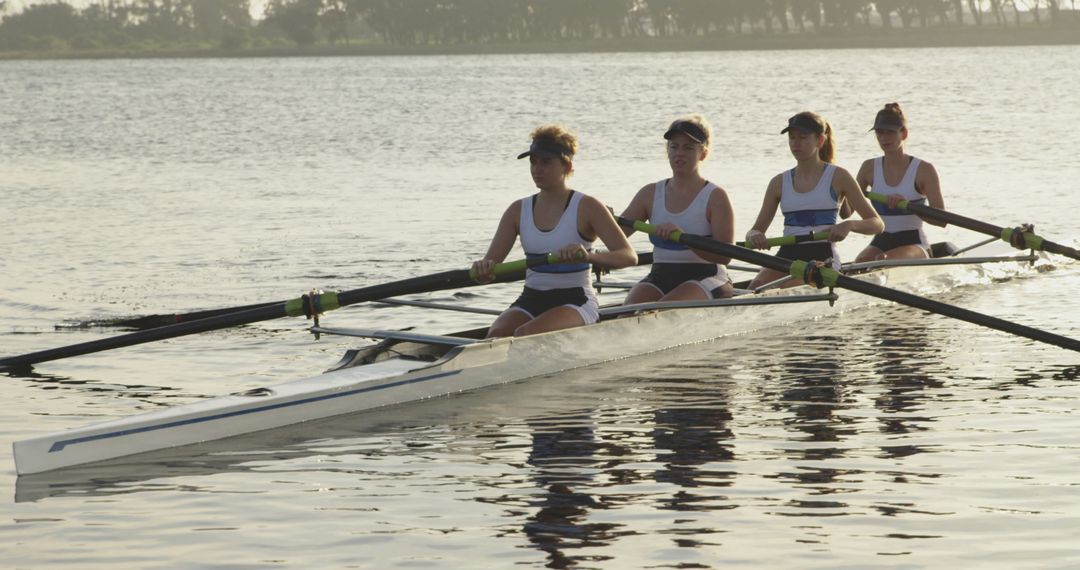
{"x":560,"y":135}
{"x":698,"y":121}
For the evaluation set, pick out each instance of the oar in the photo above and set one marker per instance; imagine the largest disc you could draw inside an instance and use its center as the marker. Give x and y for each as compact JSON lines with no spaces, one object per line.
{"x":791,"y":240}
{"x":161,"y":320}
{"x":305,"y":305}
{"x":826,"y":276}
{"x":1020,"y":237}
{"x":151,"y":321}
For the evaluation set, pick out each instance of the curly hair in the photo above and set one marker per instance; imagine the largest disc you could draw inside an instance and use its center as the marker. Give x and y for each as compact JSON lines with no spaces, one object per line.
{"x":560,"y":135}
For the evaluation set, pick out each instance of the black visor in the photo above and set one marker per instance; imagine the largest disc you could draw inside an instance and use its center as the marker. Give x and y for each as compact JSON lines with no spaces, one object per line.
{"x":803,"y":123}
{"x":886,"y":121}
{"x":696,"y":133}
{"x":547,"y":149}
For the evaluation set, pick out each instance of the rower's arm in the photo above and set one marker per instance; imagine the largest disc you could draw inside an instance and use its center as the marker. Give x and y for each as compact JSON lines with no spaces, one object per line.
{"x":505,"y":235}
{"x":755,"y":237}
{"x":721,"y":218}
{"x":928,"y":184}
{"x":768,"y":205}
{"x":638,"y":209}
{"x":602,"y":224}
{"x":870,"y":224}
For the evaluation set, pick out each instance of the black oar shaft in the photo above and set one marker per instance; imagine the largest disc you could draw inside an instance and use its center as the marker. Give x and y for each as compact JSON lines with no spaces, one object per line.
{"x":161,"y":320}
{"x":151,"y":321}
{"x":867,"y":288}
{"x":453,"y":279}
{"x":149,"y":335}
{"x":955,"y":312}
{"x":435,"y":282}
{"x":1030,"y":238}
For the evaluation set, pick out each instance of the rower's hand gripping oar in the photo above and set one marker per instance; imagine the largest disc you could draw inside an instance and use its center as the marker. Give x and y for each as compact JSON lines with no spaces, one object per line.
{"x":306,"y":305}
{"x":826,"y":276}
{"x":1021,"y":237}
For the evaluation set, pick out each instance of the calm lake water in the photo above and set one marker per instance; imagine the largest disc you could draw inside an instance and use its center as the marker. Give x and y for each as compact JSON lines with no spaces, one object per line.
{"x":883,"y":438}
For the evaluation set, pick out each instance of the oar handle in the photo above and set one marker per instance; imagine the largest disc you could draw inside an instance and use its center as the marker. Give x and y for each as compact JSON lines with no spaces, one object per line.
{"x":772,"y":242}
{"x":519,"y":265}
{"x":790,"y":240}
{"x":707,"y":244}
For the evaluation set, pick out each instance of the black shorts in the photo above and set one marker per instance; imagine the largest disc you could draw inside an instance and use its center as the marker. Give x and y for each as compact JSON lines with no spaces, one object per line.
{"x":537,"y":302}
{"x":891,"y":240}
{"x":813,"y":251}
{"x":667,"y":276}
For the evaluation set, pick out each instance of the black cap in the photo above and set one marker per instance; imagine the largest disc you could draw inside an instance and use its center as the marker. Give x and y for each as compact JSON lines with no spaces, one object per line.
{"x":692,"y":130}
{"x":804,"y":123}
{"x":549,"y":149}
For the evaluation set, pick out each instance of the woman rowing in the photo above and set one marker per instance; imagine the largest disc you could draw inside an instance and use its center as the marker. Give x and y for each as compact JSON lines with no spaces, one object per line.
{"x":915,"y":181}
{"x":811,"y":196}
{"x":556,"y":219}
{"x":687,"y":203}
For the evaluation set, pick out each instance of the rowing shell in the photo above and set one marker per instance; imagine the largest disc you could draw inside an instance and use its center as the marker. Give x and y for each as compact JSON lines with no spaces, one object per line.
{"x":407,"y":367}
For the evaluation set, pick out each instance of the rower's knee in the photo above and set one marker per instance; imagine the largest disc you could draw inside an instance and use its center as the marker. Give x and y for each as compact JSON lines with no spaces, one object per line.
{"x":496,"y":331}
{"x":870,"y":254}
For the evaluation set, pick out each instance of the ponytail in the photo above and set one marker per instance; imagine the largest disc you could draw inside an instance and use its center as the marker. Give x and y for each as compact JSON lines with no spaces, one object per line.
{"x":827,"y":152}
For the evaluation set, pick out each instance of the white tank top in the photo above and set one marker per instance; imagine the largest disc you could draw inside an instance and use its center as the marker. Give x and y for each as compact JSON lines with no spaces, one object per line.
{"x":897,"y":220}
{"x":692,"y":220}
{"x":537,"y":242}
{"x":806,"y":212}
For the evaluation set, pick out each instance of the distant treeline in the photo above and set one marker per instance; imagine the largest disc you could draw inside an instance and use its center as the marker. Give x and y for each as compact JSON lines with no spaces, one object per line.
{"x":229,"y":24}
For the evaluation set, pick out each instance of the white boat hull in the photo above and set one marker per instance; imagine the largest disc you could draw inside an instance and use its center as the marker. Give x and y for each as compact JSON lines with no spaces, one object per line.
{"x":395,"y":380}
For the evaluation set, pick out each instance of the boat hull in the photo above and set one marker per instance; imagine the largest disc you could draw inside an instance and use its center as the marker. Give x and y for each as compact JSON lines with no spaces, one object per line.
{"x":399,"y":379}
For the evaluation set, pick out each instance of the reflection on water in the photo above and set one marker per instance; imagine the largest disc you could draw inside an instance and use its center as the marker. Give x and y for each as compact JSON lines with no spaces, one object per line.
{"x":565,"y":455}
{"x":691,"y":436}
{"x":587,"y":464}
{"x":905,"y":384}
{"x":814,"y":399}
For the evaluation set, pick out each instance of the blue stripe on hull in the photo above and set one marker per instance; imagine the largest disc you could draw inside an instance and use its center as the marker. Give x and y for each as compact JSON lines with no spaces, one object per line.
{"x":60,"y":445}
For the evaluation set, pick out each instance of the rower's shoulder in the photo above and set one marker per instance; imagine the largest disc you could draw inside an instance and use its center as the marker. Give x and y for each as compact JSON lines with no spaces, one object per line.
{"x":591,"y":202}
{"x":925,"y":165}
{"x":865,"y":174}
{"x":843,"y":182}
{"x":643,"y":198}
{"x":648,"y":190}
{"x":842,"y":173}
{"x":514,"y":209}
{"x":926,"y":178}
{"x":718,"y":193}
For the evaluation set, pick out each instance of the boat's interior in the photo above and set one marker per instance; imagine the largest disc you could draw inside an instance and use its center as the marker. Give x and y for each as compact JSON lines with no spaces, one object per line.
{"x":400,"y":348}
{"x":431,"y":348}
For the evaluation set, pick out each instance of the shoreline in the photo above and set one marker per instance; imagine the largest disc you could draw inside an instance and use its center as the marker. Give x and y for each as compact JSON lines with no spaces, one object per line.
{"x":968,"y":36}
